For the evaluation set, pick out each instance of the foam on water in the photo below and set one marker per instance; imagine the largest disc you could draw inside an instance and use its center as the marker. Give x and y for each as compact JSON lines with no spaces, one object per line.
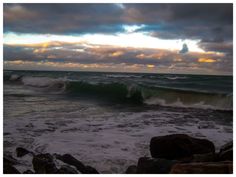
{"x":106,"y":137}
{"x":109,"y":136}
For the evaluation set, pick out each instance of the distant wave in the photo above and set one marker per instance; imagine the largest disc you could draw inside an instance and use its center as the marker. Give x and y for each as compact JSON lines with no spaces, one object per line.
{"x":177,"y":77}
{"x":130,"y":93}
{"x":123,"y":76}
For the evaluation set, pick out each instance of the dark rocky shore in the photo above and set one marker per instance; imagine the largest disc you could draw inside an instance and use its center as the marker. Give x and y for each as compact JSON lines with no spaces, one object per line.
{"x":176,"y":154}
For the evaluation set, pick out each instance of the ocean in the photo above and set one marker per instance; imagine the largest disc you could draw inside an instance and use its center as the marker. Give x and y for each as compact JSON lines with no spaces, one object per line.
{"x":106,"y":120}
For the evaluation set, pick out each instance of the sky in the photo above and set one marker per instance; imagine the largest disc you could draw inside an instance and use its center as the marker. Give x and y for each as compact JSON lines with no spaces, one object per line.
{"x":155,"y":38}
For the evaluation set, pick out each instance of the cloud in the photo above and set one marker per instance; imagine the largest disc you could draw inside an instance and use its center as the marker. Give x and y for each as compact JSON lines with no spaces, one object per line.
{"x":182,"y":22}
{"x":206,"y":60}
{"x":74,"y":56}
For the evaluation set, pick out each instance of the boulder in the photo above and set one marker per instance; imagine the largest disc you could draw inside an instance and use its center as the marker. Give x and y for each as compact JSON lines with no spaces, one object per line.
{"x":90,"y":170}
{"x":132,"y":169}
{"x":28,"y":172}
{"x":209,"y":157}
{"x":147,"y":165}
{"x":20,"y":152}
{"x":69,"y":159}
{"x":203,"y":168}
{"x":8,"y":159}
{"x":65,"y":169}
{"x":227,"y":146}
{"x":9,"y":169}
{"x":226,"y":152}
{"x":8,"y":162}
{"x":44,"y":164}
{"x":178,"y":146}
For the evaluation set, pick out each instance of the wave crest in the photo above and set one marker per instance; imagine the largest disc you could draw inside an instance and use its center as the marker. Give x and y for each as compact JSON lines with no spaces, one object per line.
{"x":131,"y":93}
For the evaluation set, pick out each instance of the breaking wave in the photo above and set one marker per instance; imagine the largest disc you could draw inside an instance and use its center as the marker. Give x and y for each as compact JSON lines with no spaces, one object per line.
{"x":128,"y":93}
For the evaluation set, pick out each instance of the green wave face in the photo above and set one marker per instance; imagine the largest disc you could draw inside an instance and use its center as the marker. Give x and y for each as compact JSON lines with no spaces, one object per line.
{"x":135,"y":91}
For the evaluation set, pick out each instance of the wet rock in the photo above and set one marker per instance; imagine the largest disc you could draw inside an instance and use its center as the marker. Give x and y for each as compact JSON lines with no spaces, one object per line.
{"x":28,"y":172}
{"x":209,"y":157}
{"x":44,"y":164}
{"x":177,"y":146}
{"x":8,"y":162}
{"x":132,"y":169}
{"x":147,"y":165}
{"x":227,"y":146}
{"x":9,"y":169}
{"x":8,"y":159}
{"x":69,"y":159}
{"x":90,"y":170}
{"x":226,"y":152}
{"x":20,"y":152}
{"x":67,"y":170}
{"x":203,"y":168}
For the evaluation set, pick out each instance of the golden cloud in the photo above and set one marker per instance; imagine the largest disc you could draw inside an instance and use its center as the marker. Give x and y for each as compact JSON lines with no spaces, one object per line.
{"x":150,"y":66}
{"x":206,"y":60}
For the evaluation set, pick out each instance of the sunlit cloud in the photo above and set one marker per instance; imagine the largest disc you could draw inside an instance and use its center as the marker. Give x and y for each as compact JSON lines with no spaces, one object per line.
{"x":138,"y":40}
{"x":206,"y":60}
{"x":150,"y":66}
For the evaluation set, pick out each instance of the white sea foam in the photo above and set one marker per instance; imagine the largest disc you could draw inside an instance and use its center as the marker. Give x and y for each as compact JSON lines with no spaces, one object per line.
{"x":123,"y":76}
{"x":219,"y":105}
{"x":176,"y":77}
{"x":106,"y":139}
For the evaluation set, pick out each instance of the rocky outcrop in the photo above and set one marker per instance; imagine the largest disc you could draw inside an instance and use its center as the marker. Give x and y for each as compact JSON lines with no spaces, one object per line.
{"x":178,"y":146}
{"x":132,"y":169}
{"x":9,"y":169}
{"x":226,"y":152}
{"x":44,"y":164}
{"x":65,"y":169}
{"x":28,"y":172}
{"x":147,"y":165}
{"x":209,"y":157}
{"x":8,"y":159}
{"x":69,"y":159}
{"x":177,"y":154}
{"x":203,"y":168}
{"x":20,"y":152}
{"x":8,"y":162}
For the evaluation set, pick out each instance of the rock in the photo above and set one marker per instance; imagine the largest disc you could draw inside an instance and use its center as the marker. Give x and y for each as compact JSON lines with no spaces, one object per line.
{"x":203,"y":168}
{"x":28,"y":172}
{"x":67,"y":170}
{"x":90,"y":170}
{"x":147,"y":165}
{"x":226,"y":152}
{"x":69,"y":159}
{"x":20,"y":152}
{"x":44,"y":164}
{"x":179,"y":146}
{"x":227,"y":146}
{"x":8,"y":159}
{"x":209,"y":157}
{"x":132,"y":169}
{"x":226,"y":155}
{"x":9,"y":169}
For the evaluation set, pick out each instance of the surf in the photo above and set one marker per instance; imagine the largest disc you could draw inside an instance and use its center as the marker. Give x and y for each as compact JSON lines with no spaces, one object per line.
{"x":127,"y":92}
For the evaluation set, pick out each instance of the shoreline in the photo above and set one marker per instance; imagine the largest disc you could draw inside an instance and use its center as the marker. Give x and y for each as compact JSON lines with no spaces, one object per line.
{"x":168,"y":155}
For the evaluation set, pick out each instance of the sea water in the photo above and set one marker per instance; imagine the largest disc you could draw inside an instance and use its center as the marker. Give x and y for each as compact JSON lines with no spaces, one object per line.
{"x":106,"y":120}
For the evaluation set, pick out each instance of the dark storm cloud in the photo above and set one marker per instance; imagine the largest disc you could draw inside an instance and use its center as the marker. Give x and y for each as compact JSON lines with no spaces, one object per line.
{"x":62,"y":18}
{"x":163,"y":20}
